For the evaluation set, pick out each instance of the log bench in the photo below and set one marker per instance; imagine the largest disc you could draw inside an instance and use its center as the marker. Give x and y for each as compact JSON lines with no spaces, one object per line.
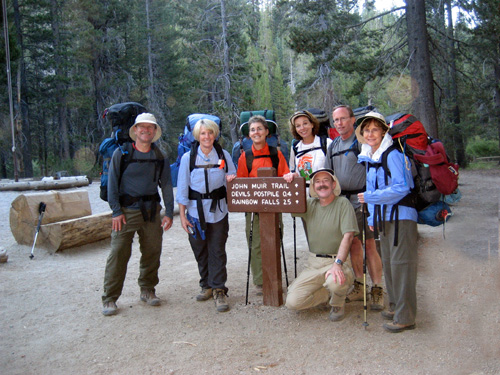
{"x":67,"y":221}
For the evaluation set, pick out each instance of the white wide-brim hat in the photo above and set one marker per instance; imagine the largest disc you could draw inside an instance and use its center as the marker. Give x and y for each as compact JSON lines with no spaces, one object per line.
{"x":362,"y":122}
{"x":145,"y":118}
{"x":337,"y":189}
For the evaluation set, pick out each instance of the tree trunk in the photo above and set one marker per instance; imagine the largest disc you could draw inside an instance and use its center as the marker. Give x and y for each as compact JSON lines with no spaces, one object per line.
{"x":23,"y":96}
{"x":227,"y":72}
{"x":496,"y":89}
{"x":420,"y":67}
{"x":60,"y":89}
{"x":455,"y":109}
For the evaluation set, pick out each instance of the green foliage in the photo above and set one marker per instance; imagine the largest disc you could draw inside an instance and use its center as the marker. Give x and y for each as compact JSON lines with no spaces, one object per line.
{"x":82,"y":56}
{"x":480,"y":147}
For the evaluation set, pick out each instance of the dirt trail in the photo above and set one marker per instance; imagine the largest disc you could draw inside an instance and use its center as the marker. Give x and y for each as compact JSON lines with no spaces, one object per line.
{"x":51,"y":321}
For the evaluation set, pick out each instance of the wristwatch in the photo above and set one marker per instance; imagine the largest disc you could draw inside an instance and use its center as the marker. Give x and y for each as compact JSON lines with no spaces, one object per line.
{"x":339,"y":262}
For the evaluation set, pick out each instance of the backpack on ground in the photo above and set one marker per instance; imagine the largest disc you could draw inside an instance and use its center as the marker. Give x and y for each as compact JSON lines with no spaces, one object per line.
{"x":186,"y":140}
{"x":245,"y":143}
{"x":121,"y":116}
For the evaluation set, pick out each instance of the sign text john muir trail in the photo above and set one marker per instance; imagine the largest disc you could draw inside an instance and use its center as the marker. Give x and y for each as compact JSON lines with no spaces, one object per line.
{"x":268,"y":196}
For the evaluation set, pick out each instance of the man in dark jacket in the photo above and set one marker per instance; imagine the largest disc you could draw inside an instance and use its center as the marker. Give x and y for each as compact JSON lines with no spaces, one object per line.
{"x":133,"y":182}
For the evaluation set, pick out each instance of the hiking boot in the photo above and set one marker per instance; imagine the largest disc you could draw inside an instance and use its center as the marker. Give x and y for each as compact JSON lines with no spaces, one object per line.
{"x":336,"y":313}
{"x":356,"y":293}
{"x":387,"y":314}
{"x":109,"y":308}
{"x":395,"y":327}
{"x":149,"y":296}
{"x":220,"y":300}
{"x":259,"y":291}
{"x":377,"y":298}
{"x":205,"y":294}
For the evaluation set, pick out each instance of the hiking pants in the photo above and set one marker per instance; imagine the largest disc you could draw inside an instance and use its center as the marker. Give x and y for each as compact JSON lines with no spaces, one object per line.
{"x":310,"y":289}
{"x":256,"y":257}
{"x":150,"y":240}
{"x":400,"y":269}
{"x":210,"y":254}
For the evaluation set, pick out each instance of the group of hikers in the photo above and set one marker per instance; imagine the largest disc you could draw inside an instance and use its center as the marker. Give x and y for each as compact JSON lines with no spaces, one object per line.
{"x":350,"y":202}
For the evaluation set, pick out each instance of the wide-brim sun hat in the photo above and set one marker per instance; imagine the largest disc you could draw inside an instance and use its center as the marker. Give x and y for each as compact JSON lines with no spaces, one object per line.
{"x":362,"y":122}
{"x":145,"y":118}
{"x":337,"y":189}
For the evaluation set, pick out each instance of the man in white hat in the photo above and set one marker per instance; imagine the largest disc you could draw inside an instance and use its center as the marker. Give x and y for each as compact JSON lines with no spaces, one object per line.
{"x":331,"y":226}
{"x":133,"y":180}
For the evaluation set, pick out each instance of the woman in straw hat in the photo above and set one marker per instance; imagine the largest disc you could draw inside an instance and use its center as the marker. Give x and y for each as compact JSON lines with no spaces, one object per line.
{"x":387,"y":195}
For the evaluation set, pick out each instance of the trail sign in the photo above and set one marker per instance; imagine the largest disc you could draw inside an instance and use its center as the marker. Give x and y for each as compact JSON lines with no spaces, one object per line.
{"x":268,"y":195}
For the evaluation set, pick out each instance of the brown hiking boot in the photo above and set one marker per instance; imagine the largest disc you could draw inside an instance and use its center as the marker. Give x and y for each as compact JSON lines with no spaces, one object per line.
{"x":205,"y":294}
{"x":149,"y":296}
{"x":220,"y":300}
{"x":356,"y":293}
{"x":377,"y":298}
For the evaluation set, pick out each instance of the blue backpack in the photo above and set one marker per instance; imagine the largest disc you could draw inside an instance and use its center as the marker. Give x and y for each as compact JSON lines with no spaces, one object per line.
{"x":186,"y":140}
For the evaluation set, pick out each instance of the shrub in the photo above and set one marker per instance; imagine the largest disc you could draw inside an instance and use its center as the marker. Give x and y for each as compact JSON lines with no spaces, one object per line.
{"x":479,"y":147}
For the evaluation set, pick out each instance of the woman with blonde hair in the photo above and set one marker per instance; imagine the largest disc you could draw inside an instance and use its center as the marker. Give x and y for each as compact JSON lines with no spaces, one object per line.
{"x":201,"y":195}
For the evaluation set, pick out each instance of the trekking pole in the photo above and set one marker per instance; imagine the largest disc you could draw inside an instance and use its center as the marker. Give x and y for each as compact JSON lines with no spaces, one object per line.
{"x":363,"y":209}
{"x":249,"y":257}
{"x":41,"y":211}
{"x":283,"y":254}
{"x":295,"y":247}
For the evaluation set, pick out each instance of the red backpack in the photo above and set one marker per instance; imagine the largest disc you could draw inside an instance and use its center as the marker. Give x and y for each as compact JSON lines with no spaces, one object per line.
{"x":444,"y":174}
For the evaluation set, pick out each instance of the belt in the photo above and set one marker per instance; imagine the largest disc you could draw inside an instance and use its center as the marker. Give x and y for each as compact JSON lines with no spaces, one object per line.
{"x":325,"y":256}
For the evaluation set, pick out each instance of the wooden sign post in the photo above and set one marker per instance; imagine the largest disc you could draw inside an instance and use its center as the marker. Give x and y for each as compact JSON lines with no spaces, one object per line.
{"x":268,"y":195}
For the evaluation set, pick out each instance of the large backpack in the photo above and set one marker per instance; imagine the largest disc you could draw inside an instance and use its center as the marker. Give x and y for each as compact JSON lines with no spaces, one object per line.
{"x":186,"y":140}
{"x":121,"y":116}
{"x":245,"y":143}
{"x":410,"y":138}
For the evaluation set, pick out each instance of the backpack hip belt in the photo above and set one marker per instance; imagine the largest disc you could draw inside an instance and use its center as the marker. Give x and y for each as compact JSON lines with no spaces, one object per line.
{"x":216,"y":195}
{"x":128,"y":200}
{"x":348,"y":193}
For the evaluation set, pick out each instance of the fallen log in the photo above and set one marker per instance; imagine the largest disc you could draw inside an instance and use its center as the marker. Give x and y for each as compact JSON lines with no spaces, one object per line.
{"x":60,"y":206}
{"x":46,"y":184}
{"x":75,"y":232}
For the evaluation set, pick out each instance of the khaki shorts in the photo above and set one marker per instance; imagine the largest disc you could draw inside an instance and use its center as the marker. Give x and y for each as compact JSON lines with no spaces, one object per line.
{"x":359,"y":217}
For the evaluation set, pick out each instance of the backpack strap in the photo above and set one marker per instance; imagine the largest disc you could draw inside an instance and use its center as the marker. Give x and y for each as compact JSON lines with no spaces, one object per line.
{"x":215,"y":195}
{"x":127,"y":157}
{"x":273,"y":154}
{"x":354,"y":148}
{"x":220,"y":154}
{"x":409,"y":200}
{"x":298,"y":154}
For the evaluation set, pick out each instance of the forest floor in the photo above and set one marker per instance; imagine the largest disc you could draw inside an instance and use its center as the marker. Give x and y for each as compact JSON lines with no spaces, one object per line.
{"x":51,"y":321}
